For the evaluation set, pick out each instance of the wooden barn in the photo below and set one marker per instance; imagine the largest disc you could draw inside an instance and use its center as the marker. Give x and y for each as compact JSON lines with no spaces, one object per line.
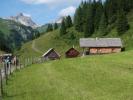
{"x":51,"y":54}
{"x":100,"y":45}
{"x":71,"y":53}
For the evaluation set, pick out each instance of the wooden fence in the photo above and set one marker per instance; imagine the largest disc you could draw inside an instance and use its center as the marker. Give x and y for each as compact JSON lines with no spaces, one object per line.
{"x":7,"y":69}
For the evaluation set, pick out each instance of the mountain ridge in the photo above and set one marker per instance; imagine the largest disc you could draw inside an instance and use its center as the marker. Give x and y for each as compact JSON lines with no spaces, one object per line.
{"x":23,"y":19}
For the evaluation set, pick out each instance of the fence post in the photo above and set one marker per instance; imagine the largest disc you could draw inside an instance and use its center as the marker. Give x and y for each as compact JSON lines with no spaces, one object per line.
{"x":25,"y":62}
{"x":16,"y":64}
{"x":5,"y":70}
{"x":34,"y":60}
{"x":20,"y":62}
{"x":31,"y":61}
{"x":1,"y":83}
{"x":28,"y":61}
{"x":10,"y":68}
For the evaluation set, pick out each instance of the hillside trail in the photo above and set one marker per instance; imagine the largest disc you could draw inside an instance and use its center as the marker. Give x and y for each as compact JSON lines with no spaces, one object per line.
{"x":34,"y":45}
{"x":35,"y":48}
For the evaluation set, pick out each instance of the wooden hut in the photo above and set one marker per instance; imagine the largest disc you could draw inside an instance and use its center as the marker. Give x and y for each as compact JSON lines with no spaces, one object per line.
{"x":101,"y":45}
{"x":71,"y":53}
{"x":51,"y":54}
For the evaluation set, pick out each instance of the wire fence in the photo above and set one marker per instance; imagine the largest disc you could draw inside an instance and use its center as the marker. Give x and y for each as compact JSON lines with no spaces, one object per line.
{"x":7,"y":69}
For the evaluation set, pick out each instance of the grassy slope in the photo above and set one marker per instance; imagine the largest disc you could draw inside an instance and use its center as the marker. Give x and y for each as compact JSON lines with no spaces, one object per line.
{"x":108,"y":77}
{"x":52,"y":40}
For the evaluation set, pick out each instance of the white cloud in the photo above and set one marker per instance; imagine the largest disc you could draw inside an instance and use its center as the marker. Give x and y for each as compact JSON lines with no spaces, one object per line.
{"x":67,"y":11}
{"x":40,"y":1}
{"x":25,"y":14}
{"x":53,"y":2}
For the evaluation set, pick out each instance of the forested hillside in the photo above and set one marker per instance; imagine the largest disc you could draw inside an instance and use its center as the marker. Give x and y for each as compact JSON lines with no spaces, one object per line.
{"x":97,"y":17}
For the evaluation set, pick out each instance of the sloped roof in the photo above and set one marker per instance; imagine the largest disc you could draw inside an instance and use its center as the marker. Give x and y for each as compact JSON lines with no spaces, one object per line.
{"x":49,"y":52}
{"x":71,"y":49}
{"x":100,"y":42}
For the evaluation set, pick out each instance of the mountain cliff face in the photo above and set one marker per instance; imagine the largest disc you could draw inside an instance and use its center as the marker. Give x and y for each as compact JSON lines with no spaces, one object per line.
{"x":25,"y":20}
{"x":15,"y":34}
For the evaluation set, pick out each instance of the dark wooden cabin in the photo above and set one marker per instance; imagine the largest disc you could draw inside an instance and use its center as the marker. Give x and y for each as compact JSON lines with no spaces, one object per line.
{"x":101,"y":45}
{"x":71,"y":53}
{"x":51,"y":54}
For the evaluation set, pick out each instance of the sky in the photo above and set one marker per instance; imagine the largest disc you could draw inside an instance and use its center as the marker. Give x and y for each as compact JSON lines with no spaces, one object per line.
{"x":41,"y":11}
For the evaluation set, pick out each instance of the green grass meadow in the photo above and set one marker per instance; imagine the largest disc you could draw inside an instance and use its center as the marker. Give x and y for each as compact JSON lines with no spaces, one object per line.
{"x":99,"y":77}
{"x":104,"y":77}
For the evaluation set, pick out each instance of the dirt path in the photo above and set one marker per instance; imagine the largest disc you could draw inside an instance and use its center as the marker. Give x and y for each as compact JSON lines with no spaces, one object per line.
{"x":35,"y":48}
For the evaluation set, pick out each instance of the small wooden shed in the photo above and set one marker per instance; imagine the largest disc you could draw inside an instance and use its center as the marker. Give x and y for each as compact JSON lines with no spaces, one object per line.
{"x":51,"y":54}
{"x":72,"y":52}
{"x":101,"y":45}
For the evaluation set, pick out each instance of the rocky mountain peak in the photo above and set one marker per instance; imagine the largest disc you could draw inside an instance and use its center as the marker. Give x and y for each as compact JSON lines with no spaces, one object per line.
{"x":20,"y":14}
{"x":25,"y":20}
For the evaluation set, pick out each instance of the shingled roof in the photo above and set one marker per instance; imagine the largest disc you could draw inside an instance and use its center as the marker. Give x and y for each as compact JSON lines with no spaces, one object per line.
{"x":100,"y":42}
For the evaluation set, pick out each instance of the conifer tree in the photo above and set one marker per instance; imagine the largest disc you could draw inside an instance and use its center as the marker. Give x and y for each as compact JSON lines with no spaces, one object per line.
{"x":122,"y":23}
{"x":78,"y":23}
{"x":68,"y":22}
{"x":98,"y":10}
{"x":111,"y":7}
{"x":55,"y":26}
{"x":89,"y":23}
{"x":63,"y":28}
{"x":49,"y":28}
{"x":103,"y":25}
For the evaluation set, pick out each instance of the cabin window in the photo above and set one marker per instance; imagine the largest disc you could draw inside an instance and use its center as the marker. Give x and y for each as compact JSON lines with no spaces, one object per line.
{"x":87,"y":53}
